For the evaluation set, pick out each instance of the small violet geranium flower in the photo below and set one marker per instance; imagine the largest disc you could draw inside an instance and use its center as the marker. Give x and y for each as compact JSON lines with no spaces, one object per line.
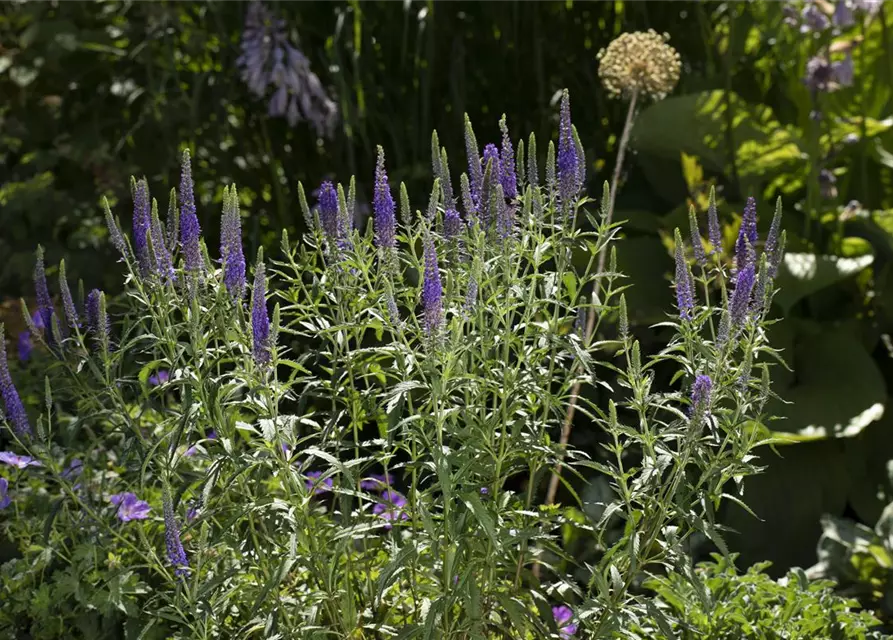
{"x":563,"y":616}
{"x":159,"y":377}
{"x":17,"y":461}
{"x":375,"y":482}
{"x":391,"y":507}
{"x":313,"y":483}
{"x":191,"y":451}
{"x":130,"y":507}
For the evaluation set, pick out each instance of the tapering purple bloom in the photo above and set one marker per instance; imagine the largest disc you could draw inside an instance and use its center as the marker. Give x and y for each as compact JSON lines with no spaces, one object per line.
{"x":24,"y":346}
{"x":260,"y":320}
{"x":190,"y":230}
{"x":231,"y":247}
{"x":452,"y":223}
{"x":141,"y":226}
{"x":696,"y":243}
{"x":491,"y":154}
{"x":432,"y":291}
{"x":740,"y":300}
{"x":17,"y":461}
{"x":115,"y":235}
{"x":5,"y":501}
{"x":475,"y":169}
{"x":312,"y":482}
{"x":98,"y":324}
{"x":568,"y":160}
{"x":700,"y":394}
{"x":684,"y":286}
{"x":45,"y":308}
{"x":471,"y":295}
{"x":391,"y":507}
{"x":771,"y":248}
{"x":175,"y":552}
{"x":328,"y":210}
{"x":747,"y":234}
{"x":714,"y":233}
{"x":164,"y":264}
{"x":383,"y":206}
{"x":507,"y":176}
{"x":129,"y":507}
{"x":375,"y":482}
{"x":14,"y":409}
{"x":563,"y":616}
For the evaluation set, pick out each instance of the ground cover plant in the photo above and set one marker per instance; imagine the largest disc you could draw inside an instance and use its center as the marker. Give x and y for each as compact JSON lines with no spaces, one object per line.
{"x":351,"y":438}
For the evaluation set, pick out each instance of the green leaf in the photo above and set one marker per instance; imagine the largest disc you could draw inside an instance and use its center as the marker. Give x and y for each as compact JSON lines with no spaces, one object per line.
{"x":802,"y":274}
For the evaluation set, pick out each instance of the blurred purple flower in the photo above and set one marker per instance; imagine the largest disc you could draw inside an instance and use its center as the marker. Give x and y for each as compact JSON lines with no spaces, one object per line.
{"x":563,"y":616}
{"x":391,"y":507}
{"x":74,"y":469}
{"x":17,"y":461}
{"x":24,"y":346}
{"x":129,"y":507}
{"x":5,"y":501}
{"x":819,"y":74}
{"x":375,"y":482}
{"x":813,"y":19}
{"x":269,"y":59}
{"x":843,"y":71}
{"x":827,"y":184}
{"x":312,"y":482}
{"x":191,"y":451}
{"x":159,"y":377}
{"x":843,"y":15}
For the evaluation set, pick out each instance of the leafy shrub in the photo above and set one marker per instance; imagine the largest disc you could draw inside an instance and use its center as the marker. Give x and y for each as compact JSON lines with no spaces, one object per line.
{"x":367,"y":460}
{"x":716,"y":601}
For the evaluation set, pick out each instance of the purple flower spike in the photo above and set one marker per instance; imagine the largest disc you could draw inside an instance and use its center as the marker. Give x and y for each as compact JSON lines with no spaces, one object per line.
{"x":260,"y":320}
{"x":15,"y":410}
{"x":383,"y":206}
{"x":432,"y":292}
{"x":714,"y":233}
{"x":312,"y":482}
{"x":507,"y":157}
{"x":129,"y":507}
{"x":45,"y":309}
{"x":190,"y":230}
{"x":231,"y":246}
{"x":568,"y":160}
{"x":491,"y":155}
{"x":452,"y":223}
{"x":142,"y":225}
{"x":17,"y":461}
{"x":175,"y":553}
{"x":813,"y":19}
{"x":98,"y":324}
{"x":475,"y":170}
{"x":329,"y":215}
{"x":740,"y":301}
{"x":4,"y":493}
{"x":24,"y":346}
{"x":684,"y":286}
{"x":700,"y":394}
{"x":747,"y":234}
{"x":391,"y":508}
{"x":563,"y":616}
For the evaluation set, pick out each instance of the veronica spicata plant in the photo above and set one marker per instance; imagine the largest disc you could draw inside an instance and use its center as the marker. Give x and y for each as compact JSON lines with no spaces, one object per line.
{"x":365,"y":457}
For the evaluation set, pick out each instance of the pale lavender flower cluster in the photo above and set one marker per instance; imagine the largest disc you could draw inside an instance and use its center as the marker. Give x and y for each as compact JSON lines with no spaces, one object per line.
{"x":17,"y":461}
{"x":563,"y":616}
{"x":391,"y":507}
{"x":270,"y":60}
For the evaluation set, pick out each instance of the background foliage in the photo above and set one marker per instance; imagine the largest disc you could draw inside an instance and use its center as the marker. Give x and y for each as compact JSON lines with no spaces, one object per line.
{"x":93,"y":93}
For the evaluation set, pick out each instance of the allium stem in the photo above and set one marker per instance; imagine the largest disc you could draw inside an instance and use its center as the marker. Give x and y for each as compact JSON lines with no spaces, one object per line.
{"x":590,"y":323}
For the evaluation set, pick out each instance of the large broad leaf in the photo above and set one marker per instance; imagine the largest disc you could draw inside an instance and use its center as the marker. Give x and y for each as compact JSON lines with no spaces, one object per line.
{"x":802,"y":274}
{"x":837,"y":389}
{"x":697,"y":124}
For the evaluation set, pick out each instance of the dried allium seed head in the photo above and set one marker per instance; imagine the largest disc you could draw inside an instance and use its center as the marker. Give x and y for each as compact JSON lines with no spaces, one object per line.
{"x":640,"y":62}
